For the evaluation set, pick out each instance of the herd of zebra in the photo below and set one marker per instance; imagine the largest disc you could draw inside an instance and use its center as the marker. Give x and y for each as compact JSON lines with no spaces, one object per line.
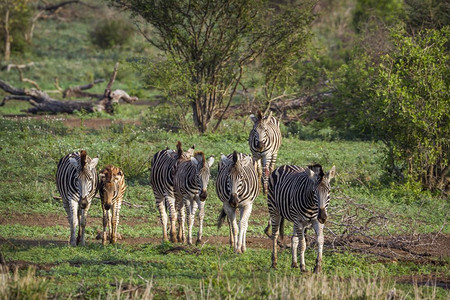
{"x":179,"y":180}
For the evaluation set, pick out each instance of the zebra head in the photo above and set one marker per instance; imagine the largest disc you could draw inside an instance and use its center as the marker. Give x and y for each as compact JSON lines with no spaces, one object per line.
{"x":235,"y":176}
{"x":202,"y":172}
{"x":110,"y":178}
{"x":260,"y":130}
{"x":322,"y":189}
{"x":85,"y":176}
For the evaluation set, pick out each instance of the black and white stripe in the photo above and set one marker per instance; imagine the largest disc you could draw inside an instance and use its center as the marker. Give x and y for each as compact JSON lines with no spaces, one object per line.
{"x":264,"y":142}
{"x":76,"y":181}
{"x":301,"y":196}
{"x":237,"y":186}
{"x":163,"y":168}
{"x":190,"y":184}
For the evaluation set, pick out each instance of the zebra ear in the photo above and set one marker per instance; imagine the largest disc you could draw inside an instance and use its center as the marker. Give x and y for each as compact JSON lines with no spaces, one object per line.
{"x":270,"y":116}
{"x":310,"y":173}
{"x":94,"y":162}
{"x":253,"y":118}
{"x":73,"y":162}
{"x":194,"y":161}
{"x":101,"y":176}
{"x":210,"y":161}
{"x":330,"y":175}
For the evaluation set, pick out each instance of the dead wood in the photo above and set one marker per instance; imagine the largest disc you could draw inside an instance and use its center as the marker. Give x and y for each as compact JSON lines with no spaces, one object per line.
{"x":43,"y":103}
{"x":78,"y":91}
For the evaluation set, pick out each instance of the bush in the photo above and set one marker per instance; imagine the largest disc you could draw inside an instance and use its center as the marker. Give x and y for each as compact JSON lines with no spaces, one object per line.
{"x":111,"y":33}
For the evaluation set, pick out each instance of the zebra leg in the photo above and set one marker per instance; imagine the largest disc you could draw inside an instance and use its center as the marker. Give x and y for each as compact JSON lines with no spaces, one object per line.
{"x":294,"y":245}
{"x":265,"y":175}
{"x":318,"y":228}
{"x":275,"y":220}
{"x":173,"y":219}
{"x":231,"y":241}
{"x":190,"y":216}
{"x":302,"y":249}
{"x":201,"y":216}
{"x":160,"y":203}
{"x":245,"y":213}
{"x":82,"y":227}
{"x":72,"y":216}
{"x":114,"y":222}
{"x":105,"y":225}
{"x":182,"y":206}
{"x":234,"y":229}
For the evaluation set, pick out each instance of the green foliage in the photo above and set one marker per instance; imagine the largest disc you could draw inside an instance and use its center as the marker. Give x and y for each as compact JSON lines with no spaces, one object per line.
{"x":20,"y":15}
{"x":413,"y":105}
{"x":429,"y":14}
{"x":111,"y":33}
{"x":210,"y":45}
{"x":386,"y":11}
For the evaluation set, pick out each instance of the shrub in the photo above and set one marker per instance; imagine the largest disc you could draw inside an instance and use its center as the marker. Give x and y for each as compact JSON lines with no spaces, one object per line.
{"x":111,"y":33}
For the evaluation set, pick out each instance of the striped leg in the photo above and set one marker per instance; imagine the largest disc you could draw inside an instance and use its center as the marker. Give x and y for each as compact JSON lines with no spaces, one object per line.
{"x":82,"y":227}
{"x":275,"y":220}
{"x":234,"y":229}
{"x":105,"y":225}
{"x":114,"y":223}
{"x":245,"y":213}
{"x":182,"y":207}
{"x":160,"y":203}
{"x":173,"y":219}
{"x":318,"y":228}
{"x":294,"y":244}
{"x":71,"y":208}
{"x":302,"y":249}
{"x":201,"y":217}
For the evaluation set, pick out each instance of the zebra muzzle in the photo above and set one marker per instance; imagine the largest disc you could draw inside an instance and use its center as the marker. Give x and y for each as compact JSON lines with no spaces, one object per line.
{"x":322,"y":216}
{"x":84,"y":203}
{"x":233,"y":200}
{"x":203,"y":195}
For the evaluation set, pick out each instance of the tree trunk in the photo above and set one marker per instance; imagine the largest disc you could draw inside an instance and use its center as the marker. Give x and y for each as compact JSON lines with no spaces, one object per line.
{"x":7,"y":45}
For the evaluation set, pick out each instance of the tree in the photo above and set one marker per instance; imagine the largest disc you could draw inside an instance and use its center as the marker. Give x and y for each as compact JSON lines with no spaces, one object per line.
{"x":210,"y":45}
{"x":412,"y":93}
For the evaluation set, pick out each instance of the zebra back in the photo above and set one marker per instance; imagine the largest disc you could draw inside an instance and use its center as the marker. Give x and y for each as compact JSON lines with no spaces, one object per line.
{"x":296,"y":192}
{"x":192,"y":176}
{"x":265,"y":137}
{"x":76,"y":178}
{"x":237,"y":180}
{"x":111,"y":186}
{"x":163,"y":168}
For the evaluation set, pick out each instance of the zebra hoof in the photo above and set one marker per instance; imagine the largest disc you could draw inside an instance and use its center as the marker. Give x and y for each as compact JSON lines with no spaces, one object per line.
{"x":294,"y":265}
{"x":198,"y":242}
{"x":317,"y":269}
{"x":274,"y":266}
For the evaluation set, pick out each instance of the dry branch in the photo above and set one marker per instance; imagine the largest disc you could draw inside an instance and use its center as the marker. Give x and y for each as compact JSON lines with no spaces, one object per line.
{"x":43,"y":103}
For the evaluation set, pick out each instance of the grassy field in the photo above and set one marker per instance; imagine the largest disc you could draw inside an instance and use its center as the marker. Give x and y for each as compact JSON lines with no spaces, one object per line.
{"x":38,"y":263}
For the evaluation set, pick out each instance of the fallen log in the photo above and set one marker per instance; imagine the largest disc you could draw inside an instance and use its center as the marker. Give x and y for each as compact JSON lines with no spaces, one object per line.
{"x":43,"y":103}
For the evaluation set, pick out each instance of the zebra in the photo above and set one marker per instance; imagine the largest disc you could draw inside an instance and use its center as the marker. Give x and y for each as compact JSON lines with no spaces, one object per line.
{"x":190,"y":185}
{"x":301,"y":196}
{"x":264,"y":142}
{"x":237,"y":186}
{"x":111,"y":188}
{"x":76,"y":181}
{"x":162,"y":171}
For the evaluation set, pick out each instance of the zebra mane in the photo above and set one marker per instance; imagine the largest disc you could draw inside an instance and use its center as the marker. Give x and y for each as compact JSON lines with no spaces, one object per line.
{"x":200,"y":156}
{"x":318,"y":171}
{"x":179,"y":149}
{"x":83,"y":156}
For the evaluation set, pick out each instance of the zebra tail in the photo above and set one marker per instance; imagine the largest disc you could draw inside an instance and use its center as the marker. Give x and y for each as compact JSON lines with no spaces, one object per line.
{"x":221,"y":218}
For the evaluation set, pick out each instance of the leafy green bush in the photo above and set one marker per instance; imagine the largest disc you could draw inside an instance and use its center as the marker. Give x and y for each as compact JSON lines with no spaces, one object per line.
{"x":111,"y":33}
{"x":413,"y":105}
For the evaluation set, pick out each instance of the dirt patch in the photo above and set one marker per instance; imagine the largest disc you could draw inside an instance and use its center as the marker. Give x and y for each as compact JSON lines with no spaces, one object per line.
{"x":429,"y":249}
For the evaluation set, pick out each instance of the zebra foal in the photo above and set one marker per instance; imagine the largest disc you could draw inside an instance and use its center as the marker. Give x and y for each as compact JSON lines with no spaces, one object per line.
{"x":264,"y":142}
{"x":162,"y":171}
{"x":112,"y":188}
{"x":300,"y":196}
{"x":190,"y":185}
{"x":76,"y":181}
{"x":237,"y":186}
